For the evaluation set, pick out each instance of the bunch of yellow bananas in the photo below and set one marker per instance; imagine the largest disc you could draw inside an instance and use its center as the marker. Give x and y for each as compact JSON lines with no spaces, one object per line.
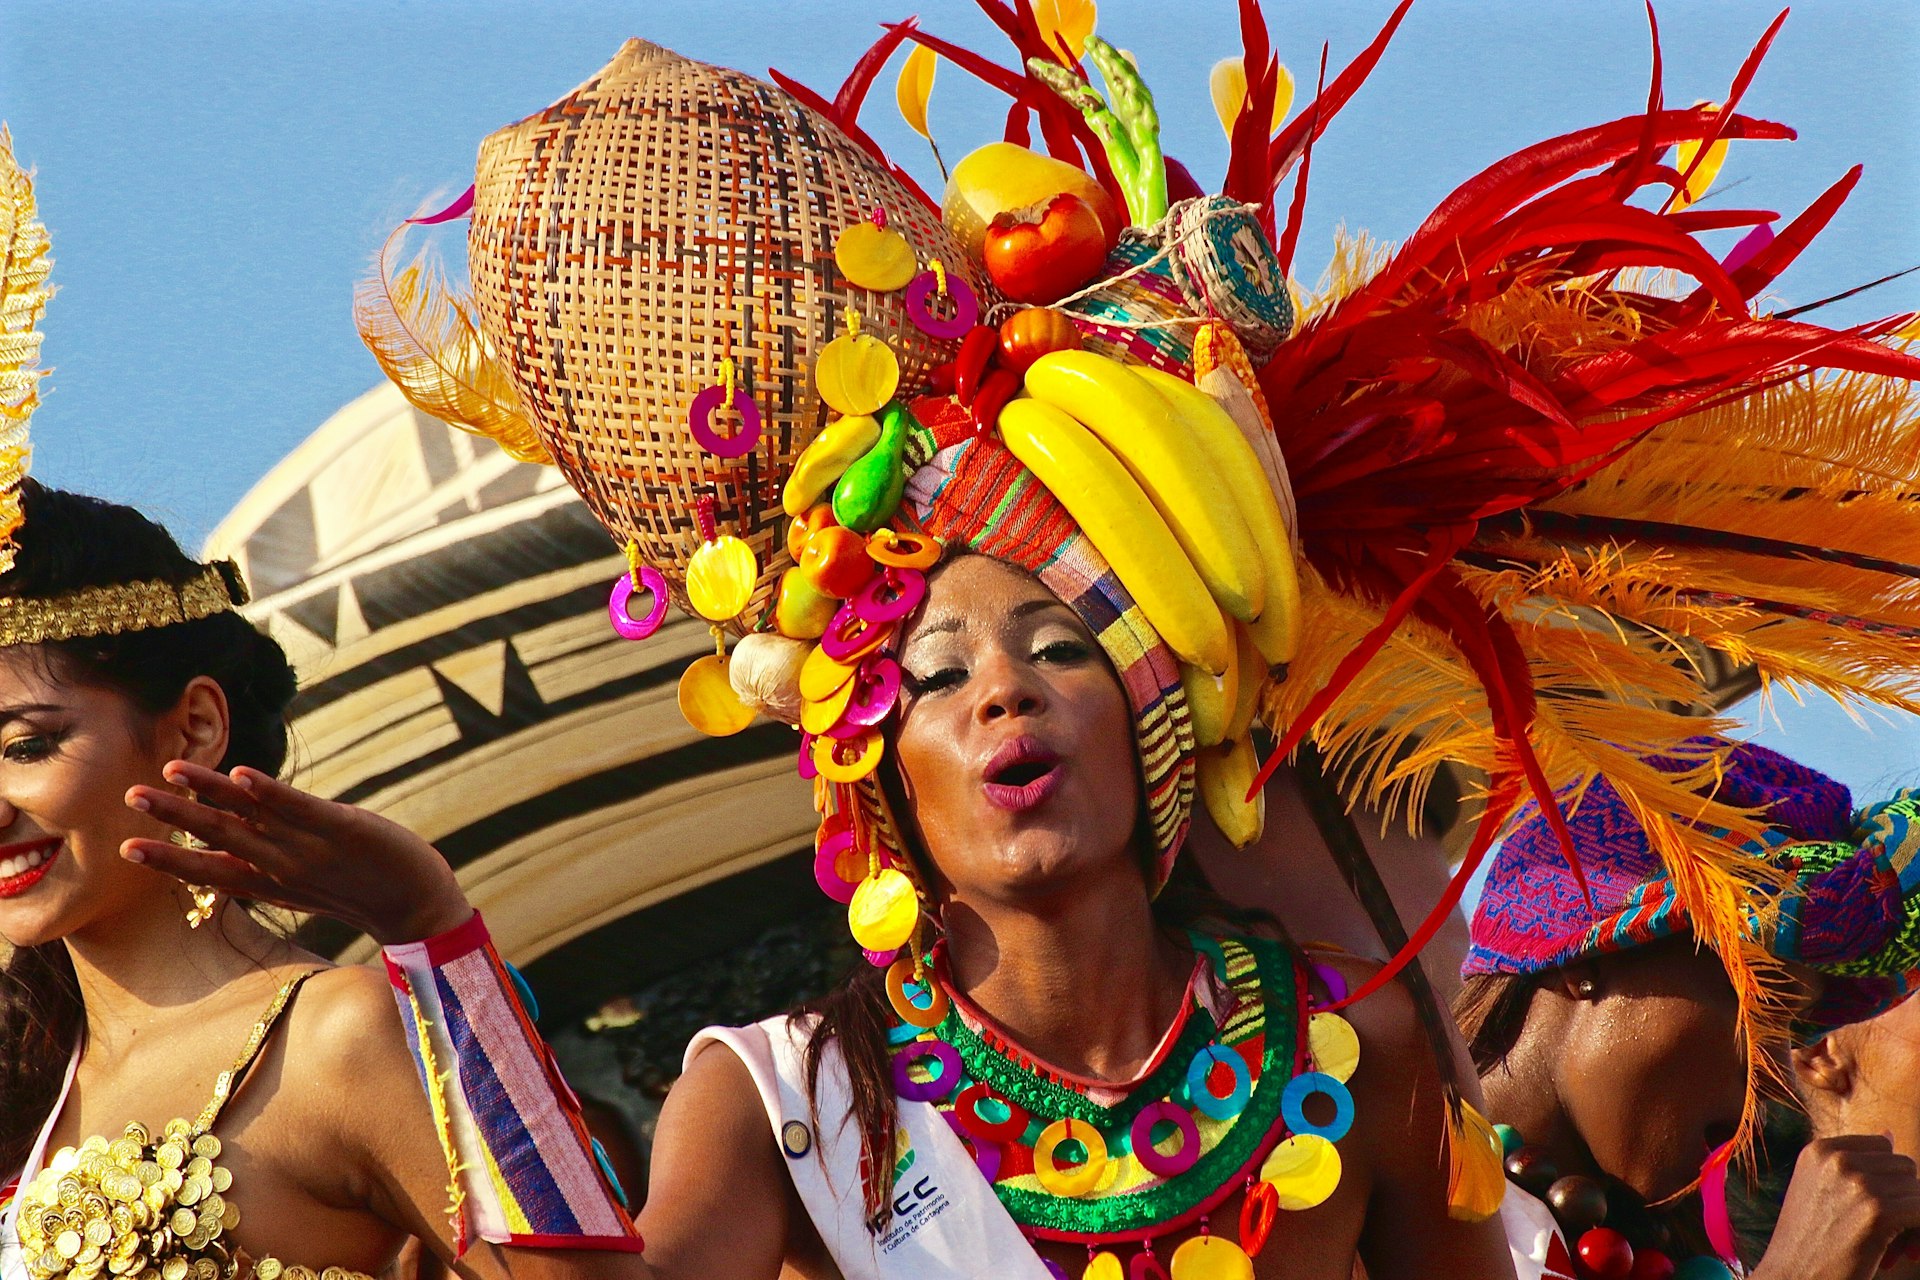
{"x":1163,"y":481}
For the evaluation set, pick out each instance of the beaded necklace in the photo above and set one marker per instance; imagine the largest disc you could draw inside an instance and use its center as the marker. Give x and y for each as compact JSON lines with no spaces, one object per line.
{"x":1221,"y":1110}
{"x":1612,"y":1240}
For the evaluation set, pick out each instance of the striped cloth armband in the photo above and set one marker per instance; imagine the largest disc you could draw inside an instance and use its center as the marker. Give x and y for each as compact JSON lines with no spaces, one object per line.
{"x":524,"y":1170}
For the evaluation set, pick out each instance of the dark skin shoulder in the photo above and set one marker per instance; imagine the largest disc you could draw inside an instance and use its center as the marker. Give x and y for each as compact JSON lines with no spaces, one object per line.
{"x":715,"y":1161}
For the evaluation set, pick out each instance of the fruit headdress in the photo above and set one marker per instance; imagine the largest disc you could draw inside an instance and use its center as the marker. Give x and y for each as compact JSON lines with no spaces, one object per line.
{"x":1485,"y":498}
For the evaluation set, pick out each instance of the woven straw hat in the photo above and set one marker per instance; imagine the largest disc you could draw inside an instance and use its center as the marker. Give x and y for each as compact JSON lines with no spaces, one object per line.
{"x":662,"y":217}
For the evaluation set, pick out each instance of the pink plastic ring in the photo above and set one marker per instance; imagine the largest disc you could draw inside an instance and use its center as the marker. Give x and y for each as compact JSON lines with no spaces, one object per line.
{"x":986,"y":1155}
{"x":891,"y":596}
{"x":826,"y":868}
{"x":1142,"y":1136}
{"x":966,"y":309}
{"x":1334,"y":981}
{"x":808,"y":769}
{"x":625,"y":625}
{"x":700,"y":422}
{"x":876,"y":687}
{"x":851,"y":636}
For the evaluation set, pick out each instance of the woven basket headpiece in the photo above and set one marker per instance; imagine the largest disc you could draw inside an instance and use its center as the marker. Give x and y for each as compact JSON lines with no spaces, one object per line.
{"x":660,"y":218}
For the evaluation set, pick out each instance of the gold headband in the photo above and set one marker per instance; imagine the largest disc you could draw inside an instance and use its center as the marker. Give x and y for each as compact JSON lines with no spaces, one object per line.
{"x":124,"y":606}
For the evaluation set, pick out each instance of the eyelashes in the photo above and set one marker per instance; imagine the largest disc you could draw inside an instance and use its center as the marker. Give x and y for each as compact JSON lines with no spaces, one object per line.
{"x":1058,"y":652}
{"x":31,"y":748}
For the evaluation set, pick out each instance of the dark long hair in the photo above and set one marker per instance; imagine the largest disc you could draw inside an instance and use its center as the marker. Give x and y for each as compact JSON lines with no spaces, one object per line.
{"x":1491,"y":1010}
{"x":71,"y":541}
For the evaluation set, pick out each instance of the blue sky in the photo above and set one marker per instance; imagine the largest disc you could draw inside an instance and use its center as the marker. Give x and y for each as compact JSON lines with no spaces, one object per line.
{"x":217,"y":175}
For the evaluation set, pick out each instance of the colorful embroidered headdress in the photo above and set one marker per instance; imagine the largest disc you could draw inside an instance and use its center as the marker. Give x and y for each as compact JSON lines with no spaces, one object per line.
{"x":1484,"y":497}
{"x":1850,"y":907}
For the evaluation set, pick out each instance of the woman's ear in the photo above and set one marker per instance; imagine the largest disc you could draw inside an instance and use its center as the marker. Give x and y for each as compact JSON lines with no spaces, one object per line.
{"x":1580,"y":980}
{"x":200,"y":723}
{"x":1826,"y":1065}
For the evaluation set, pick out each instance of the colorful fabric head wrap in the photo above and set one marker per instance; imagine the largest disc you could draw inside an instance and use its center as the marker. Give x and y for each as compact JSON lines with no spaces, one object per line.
{"x":976,"y":494}
{"x":1852,"y":914}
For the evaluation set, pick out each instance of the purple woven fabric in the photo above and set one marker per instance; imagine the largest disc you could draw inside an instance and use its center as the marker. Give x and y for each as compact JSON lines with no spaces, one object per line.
{"x":1532,"y":915}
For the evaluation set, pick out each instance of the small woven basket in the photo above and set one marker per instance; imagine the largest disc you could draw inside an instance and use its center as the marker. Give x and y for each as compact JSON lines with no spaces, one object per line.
{"x":663,"y":216}
{"x":1207,"y":259}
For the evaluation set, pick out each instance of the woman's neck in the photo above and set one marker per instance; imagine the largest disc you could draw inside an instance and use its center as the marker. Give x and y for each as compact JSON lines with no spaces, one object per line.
{"x":1521,"y":1092}
{"x":141,"y":966}
{"x":1089,"y":985}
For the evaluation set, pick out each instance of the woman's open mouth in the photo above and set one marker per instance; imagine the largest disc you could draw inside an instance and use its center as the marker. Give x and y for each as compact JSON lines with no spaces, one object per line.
{"x":22,"y":866}
{"x":1022,"y":775}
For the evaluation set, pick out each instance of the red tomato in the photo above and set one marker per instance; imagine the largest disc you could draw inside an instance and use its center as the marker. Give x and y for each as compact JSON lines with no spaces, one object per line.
{"x":1027,"y":335}
{"x":836,"y":562}
{"x":1046,"y":260}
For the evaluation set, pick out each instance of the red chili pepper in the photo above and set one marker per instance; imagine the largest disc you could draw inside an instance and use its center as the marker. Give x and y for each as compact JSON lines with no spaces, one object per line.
{"x":970,"y":363}
{"x":940,"y":379}
{"x":1001,"y":386}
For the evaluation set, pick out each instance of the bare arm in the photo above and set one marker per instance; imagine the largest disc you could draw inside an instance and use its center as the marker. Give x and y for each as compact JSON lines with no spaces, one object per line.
{"x":1401,"y":1112}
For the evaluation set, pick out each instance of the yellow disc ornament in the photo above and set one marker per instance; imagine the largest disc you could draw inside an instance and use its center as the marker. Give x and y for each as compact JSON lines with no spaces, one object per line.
{"x":1104,"y":1266}
{"x":720,"y":578}
{"x":1334,"y":1044}
{"x":856,"y":373}
{"x":708,"y":701}
{"x":1304,"y":1170}
{"x":820,"y":716}
{"x":872,"y":257}
{"x":822,"y":676}
{"x":1076,"y":1180}
{"x":883,"y":911}
{"x":1211,"y":1258}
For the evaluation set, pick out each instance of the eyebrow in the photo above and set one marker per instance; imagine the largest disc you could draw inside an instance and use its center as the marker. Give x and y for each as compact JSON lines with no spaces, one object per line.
{"x":9,"y":714}
{"x":954,"y":622}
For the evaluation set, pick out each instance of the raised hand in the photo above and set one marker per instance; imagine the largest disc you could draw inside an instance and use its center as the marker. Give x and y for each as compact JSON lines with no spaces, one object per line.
{"x":275,"y":843}
{"x":1853,"y":1204}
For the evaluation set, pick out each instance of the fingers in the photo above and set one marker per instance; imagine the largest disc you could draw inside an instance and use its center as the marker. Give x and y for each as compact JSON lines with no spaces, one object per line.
{"x":201,"y":867}
{"x":227,"y":832}
{"x":209,"y":785}
{"x":299,"y":808}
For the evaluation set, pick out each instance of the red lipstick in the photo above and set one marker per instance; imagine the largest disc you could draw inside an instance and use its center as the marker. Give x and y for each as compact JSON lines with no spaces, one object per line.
{"x":1021,"y":775}
{"x":24,"y":865}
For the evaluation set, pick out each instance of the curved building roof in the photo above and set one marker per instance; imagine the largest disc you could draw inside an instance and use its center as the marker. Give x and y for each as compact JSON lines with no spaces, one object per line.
{"x":445,"y":607}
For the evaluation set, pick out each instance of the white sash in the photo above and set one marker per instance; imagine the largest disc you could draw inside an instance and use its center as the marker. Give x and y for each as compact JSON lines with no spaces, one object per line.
{"x":947,"y":1222}
{"x":12,"y":1265}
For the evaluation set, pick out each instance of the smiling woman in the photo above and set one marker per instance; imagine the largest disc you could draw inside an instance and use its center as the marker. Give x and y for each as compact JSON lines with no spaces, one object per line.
{"x":164,"y":1057}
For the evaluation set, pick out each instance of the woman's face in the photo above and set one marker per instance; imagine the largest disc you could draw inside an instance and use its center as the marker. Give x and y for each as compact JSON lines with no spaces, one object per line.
{"x":68,"y":753}
{"x":1653,"y":1074}
{"x":1015,"y":742}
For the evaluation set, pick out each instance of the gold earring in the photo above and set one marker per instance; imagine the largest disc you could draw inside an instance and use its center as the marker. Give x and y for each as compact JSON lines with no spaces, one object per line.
{"x":205,"y":900}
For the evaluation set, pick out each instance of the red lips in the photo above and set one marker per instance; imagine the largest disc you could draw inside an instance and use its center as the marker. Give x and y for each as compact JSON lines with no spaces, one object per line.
{"x":19,"y":877}
{"x":1021,"y":775}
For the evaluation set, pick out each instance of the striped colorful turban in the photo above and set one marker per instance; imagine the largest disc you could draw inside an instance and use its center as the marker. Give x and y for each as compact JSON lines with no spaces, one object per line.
{"x":1852,"y":914}
{"x":972,"y":492}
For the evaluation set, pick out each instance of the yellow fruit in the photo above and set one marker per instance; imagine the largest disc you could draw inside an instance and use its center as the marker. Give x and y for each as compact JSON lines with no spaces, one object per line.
{"x":1239,"y":470}
{"x":1226,"y":773}
{"x":1249,"y":673}
{"x":822,"y":462}
{"x":1169,"y":464}
{"x":1004,"y":177}
{"x":1113,"y":511}
{"x":801,"y":612}
{"x":1211,"y":700}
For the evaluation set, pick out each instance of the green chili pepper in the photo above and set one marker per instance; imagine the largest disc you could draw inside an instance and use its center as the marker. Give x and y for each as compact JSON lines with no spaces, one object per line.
{"x":869,"y":491}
